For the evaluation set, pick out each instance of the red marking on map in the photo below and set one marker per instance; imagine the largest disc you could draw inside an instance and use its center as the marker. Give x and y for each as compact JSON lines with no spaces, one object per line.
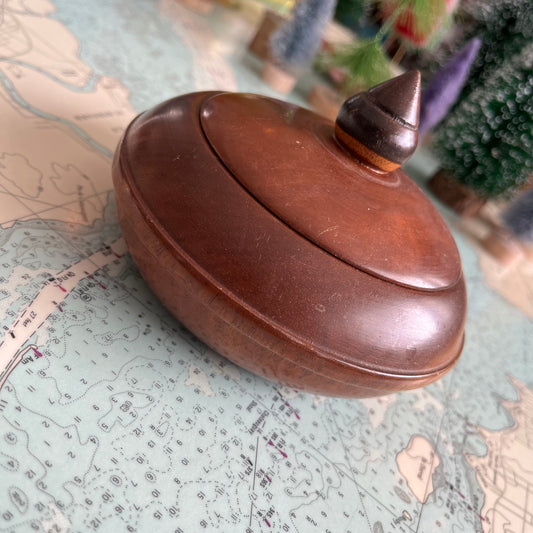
{"x":280,"y":451}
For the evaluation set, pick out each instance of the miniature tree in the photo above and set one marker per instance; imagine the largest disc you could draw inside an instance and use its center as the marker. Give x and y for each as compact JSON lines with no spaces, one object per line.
{"x":364,"y":64}
{"x":505,"y":27}
{"x":445,"y":86}
{"x":487,"y":140}
{"x":352,"y":13}
{"x":296,"y":42}
{"x":416,"y":22}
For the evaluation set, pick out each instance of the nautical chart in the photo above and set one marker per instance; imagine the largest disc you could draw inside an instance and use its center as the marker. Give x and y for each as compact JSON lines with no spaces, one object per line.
{"x":113,"y":417}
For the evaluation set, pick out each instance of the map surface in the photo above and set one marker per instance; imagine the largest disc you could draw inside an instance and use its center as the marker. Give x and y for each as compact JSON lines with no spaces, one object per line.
{"x":113,"y":417}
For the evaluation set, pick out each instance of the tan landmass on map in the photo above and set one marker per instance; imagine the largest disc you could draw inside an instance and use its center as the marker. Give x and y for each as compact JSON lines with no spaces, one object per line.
{"x":505,"y":473}
{"x":35,"y":7}
{"x":31,"y":38}
{"x":417,"y":464}
{"x":49,"y":123}
{"x":35,"y":152}
{"x":102,"y":113}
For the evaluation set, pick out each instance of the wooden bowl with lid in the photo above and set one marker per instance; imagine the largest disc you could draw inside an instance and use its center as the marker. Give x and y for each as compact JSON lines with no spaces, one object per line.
{"x":293,"y":246}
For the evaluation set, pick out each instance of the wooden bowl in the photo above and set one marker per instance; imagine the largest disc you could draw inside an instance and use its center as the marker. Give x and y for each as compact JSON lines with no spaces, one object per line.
{"x":292,"y":245}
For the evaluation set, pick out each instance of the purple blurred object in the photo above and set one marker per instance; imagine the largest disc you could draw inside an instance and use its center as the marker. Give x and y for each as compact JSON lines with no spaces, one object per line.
{"x":445,"y":86}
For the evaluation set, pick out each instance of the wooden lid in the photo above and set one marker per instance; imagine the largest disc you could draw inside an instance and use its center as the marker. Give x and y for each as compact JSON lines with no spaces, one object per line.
{"x":290,"y":160}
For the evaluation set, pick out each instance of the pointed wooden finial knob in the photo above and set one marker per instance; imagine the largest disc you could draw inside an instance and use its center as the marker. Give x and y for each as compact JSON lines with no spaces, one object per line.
{"x":380,"y":127}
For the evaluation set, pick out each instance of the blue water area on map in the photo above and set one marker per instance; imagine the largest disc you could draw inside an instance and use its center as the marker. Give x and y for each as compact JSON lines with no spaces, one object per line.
{"x":146,"y":55}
